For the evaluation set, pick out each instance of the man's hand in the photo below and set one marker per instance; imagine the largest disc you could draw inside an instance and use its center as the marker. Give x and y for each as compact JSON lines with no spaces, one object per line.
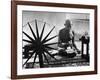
{"x":63,"y":43}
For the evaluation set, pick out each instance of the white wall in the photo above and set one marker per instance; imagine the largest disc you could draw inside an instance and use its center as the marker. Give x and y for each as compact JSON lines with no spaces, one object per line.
{"x":5,"y":35}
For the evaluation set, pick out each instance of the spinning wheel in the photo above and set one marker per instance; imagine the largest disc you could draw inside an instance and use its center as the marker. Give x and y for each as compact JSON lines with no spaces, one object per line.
{"x":38,"y":45}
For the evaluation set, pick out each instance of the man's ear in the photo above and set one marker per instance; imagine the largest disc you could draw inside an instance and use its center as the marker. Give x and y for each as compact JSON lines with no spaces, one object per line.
{"x":73,"y":32}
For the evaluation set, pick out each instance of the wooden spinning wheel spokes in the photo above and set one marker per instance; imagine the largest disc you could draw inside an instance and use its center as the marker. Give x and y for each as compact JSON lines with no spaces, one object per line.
{"x":39,"y":45}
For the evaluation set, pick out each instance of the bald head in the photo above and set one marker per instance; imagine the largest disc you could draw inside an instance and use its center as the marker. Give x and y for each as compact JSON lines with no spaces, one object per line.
{"x":67,"y":24}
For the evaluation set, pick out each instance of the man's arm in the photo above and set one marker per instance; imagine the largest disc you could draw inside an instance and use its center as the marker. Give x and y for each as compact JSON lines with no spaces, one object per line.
{"x":73,"y":41}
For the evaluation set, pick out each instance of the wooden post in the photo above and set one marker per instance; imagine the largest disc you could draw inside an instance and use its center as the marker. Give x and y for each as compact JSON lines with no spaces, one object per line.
{"x":85,"y":41}
{"x":82,"y":47}
{"x":41,"y":60}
